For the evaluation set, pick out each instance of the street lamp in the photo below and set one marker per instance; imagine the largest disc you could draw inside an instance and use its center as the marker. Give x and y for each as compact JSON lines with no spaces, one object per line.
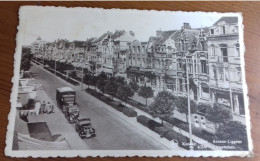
{"x":189,"y":110}
{"x":82,"y":75}
{"x":188,"y":98}
{"x":56,"y":65}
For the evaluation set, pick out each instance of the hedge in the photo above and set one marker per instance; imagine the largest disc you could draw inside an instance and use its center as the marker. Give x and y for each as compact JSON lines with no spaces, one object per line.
{"x":72,"y":81}
{"x":161,"y":130}
{"x":115,"y":104}
{"x":129,"y":112}
{"x":120,"y":107}
{"x":153,"y":124}
{"x":143,"y":120}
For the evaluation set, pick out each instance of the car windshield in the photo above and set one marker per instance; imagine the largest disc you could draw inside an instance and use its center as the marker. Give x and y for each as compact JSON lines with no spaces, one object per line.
{"x":68,"y":98}
{"x":74,"y":110}
{"x":84,"y":119}
{"x":86,"y":125}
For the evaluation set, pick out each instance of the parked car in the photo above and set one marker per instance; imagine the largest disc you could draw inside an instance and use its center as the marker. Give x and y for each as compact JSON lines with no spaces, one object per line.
{"x":84,"y":128}
{"x":71,"y":114}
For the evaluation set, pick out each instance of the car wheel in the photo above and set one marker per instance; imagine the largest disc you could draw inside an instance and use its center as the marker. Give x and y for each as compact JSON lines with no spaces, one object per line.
{"x":81,"y":136}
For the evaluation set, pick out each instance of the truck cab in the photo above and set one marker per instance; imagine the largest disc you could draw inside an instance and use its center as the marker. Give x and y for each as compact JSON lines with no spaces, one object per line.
{"x":66,"y":98}
{"x":71,"y":114}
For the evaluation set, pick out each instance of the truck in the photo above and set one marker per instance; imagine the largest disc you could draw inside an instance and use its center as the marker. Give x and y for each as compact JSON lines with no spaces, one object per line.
{"x":66,"y":100}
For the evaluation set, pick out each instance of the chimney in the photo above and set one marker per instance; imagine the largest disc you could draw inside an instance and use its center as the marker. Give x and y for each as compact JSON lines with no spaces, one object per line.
{"x":159,"y":33}
{"x":186,"y":25}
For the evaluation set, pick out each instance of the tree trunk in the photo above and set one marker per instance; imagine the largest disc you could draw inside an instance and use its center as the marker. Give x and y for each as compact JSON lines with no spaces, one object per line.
{"x":146,"y":101}
{"x":187,"y":119}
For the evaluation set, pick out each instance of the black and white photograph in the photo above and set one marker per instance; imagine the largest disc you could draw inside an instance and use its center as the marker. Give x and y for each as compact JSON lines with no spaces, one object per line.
{"x":97,"y":82}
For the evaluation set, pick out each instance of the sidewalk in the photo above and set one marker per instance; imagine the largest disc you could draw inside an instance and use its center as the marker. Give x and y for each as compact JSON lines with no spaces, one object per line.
{"x":178,"y":130}
{"x":58,"y":124}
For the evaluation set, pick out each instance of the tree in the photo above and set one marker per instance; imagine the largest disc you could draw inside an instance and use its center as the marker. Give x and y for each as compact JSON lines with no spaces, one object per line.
{"x":233,"y":131}
{"x":163,"y":105}
{"x":102,"y":78}
{"x":124,"y":92}
{"x":87,"y":79}
{"x":219,"y":115}
{"x":93,"y":81}
{"x":73,"y":74}
{"x":111,"y":86}
{"x":121,"y":80}
{"x":26,"y":59}
{"x":145,"y":92}
{"x":134,"y":86}
{"x":182,"y":106}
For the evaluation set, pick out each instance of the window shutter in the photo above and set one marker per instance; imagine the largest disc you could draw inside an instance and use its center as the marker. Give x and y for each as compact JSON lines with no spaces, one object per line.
{"x":207,"y":69}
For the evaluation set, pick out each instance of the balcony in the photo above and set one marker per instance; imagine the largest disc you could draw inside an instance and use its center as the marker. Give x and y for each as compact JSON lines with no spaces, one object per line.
{"x":234,"y":60}
{"x":171,"y":72}
{"x":213,"y":59}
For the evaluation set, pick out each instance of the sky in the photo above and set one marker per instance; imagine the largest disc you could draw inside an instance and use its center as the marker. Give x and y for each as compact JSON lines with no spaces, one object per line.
{"x":52,"y":23}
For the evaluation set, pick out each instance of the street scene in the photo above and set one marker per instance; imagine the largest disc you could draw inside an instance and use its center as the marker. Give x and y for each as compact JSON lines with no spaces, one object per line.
{"x":178,"y":89}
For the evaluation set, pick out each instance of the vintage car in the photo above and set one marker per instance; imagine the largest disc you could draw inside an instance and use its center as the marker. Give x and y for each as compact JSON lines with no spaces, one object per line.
{"x":72,"y":113}
{"x":65,"y":96}
{"x":84,"y":128}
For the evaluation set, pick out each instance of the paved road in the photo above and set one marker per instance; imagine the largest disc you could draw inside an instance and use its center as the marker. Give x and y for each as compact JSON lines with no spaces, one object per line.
{"x":113,"y":133}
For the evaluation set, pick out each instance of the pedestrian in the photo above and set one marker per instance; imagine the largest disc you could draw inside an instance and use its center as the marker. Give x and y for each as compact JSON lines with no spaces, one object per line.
{"x":40,"y":87}
{"x":35,"y":86}
{"x":43,"y":106}
{"x":51,"y":109}
{"x":45,"y":109}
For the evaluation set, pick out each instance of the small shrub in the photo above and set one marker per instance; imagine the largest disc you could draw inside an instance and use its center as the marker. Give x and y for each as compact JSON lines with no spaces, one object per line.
{"x":153,"y":124}
{"x":114,"y":104}
{"x":129,"y":112}
{"x":161,"y":130}
{"x":120,"y":107}
{"x":143,"y":120}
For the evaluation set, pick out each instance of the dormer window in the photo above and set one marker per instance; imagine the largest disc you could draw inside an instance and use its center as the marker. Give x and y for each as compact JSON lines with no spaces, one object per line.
{"x":212,"y":31}
{"x":222,"y":30}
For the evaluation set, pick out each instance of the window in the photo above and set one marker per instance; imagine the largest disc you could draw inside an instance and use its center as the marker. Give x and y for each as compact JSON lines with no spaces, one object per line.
{"x":224,"y":52}
{"x":139,"y":49}
{"x":213,"y":53}
{"x":152,"y":48}
{"x":221,"y":73}
{"x":203,"y":66}
{"x":205,"y":91}
{"x":238,"y":49}
{"x":212,"y":31}
{"x":239,"y":74}
{"x":202,"y":46}
{"x":222,"y":30}
{"x":227,"y":74}
{"x":180,"y":85}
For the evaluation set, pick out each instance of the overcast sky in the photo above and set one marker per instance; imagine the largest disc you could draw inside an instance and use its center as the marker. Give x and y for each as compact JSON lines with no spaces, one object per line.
{"x":79,"y":24}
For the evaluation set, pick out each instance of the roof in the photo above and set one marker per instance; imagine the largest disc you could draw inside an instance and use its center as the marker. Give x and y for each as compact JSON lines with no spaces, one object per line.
{"x":102,"y":37}
{"x":191,"y":35}
{"x":154,"y":39}
{"x":165,"y":35}
{"x":65,"y":89}
{"x":79,"y":44}
{"x":227,"y":20}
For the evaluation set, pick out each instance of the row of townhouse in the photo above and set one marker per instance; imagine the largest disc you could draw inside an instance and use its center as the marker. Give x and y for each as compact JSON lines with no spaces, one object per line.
{"x":210,"y":55}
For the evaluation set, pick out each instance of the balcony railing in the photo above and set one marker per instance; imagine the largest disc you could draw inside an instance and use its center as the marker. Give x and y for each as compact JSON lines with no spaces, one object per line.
{"x":223,"y":59}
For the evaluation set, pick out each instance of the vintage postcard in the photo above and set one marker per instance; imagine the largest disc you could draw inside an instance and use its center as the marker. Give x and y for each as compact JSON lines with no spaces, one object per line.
{"x":97,"y":82}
